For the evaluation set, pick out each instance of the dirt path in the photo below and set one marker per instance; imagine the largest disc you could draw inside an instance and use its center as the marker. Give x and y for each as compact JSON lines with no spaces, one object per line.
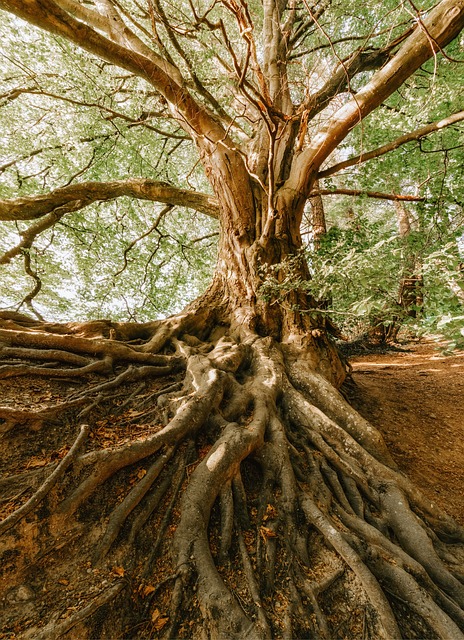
{"x":416,"y":399}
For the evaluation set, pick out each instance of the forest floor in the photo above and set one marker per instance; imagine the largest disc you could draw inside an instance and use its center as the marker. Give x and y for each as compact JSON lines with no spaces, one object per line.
{"x":415,"y":397}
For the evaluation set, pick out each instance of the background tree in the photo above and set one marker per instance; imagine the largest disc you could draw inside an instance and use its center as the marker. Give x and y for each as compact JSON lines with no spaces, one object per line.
{"x":374,"y":258}
{"x":249,"y":489}
{"x":421,"y":165}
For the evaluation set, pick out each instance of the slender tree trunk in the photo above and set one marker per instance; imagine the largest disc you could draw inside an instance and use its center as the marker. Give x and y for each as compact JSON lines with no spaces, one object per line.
{"x":317,"y":219}
{"x":410,"y":297}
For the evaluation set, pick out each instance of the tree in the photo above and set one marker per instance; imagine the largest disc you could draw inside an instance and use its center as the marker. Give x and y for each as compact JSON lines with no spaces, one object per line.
{"x":361,"y":262}
{"x":271,"y":498}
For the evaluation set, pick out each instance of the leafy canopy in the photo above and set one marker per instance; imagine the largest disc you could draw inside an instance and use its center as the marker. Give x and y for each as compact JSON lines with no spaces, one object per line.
{"x":68,"y":116}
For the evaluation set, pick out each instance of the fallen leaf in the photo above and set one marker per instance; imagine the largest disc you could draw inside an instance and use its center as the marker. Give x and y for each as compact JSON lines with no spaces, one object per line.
{"x":148,"y":589}
{"x":119,"y":571}
{"x":36,"y":462}
{"x":141,"y":473}
{"x":159,"y":621}
{"x":271,"y":512}
{"x":267,"y":533}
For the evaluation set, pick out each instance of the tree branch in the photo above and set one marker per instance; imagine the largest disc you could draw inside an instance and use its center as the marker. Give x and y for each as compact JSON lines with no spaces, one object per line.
{"x":29,"y":235}
{"x":77,"y":196}
{"x":142,"y":120}
{"x":275,"y":70}
{"x":51,"y":17}
{"x":368,"y":194}
{"x":391,"y":146}
{"x":440,"y":27}
{"x":198,"y":84}
{"x":358,"y":62}
{"x":113,"y":26}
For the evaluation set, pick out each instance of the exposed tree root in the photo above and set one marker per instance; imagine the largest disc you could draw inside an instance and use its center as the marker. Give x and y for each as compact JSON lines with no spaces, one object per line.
{"x":57,"y":474}
{"x":34,"y":419}
{"x":15,"y":370}
{"x":252,"y":502}
{"x":121,"y":512}
{"x":53,"y":630}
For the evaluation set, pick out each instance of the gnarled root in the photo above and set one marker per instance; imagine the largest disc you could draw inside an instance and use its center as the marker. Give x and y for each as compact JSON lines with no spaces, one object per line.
{"x":240,"y":497}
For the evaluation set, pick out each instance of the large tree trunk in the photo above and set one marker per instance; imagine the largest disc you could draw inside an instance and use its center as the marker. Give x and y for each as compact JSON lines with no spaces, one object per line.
{"x":247,"y":255}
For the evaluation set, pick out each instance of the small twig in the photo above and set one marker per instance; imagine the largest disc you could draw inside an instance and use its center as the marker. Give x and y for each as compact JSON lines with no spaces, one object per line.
{"x":86,"y":410}
{"x":70,"y":536}
{"x":130,"y":398}
{"x":52,"y":631}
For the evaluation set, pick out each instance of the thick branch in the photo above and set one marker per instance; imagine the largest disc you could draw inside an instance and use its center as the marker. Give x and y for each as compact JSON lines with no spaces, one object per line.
{"x":417,"y":134}
{"x":198,"y":84}
{"x":339,"y":82}
{"x":112,"y":25}
{"x":77,"y":196}
{"x":28,"y":236}
{"x":368,"y":194}
{"x":49,"y":16}
{"x":441,"y":26}
{"x":275,"y":67}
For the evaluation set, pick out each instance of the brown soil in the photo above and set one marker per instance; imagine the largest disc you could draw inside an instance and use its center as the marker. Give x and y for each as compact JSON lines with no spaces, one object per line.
{"x":416,"y":399}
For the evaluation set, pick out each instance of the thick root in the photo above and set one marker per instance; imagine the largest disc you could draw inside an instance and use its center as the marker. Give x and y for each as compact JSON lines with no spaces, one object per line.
{"x":240,"y":497}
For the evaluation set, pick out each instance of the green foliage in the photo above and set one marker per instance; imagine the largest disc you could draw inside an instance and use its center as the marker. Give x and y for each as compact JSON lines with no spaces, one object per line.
{"x":357,"y":270}
{"x":360,"y":271}
{"x":85,"y":274}
{"x":444,"y":277}
{"x":356,"y":274}
{"x":67,"y":116}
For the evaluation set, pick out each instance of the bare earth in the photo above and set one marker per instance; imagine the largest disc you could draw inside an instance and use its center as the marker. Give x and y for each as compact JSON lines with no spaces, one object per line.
{"x":416,"y":399}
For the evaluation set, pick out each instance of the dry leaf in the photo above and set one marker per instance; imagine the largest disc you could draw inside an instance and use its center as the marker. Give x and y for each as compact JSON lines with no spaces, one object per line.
{"x":141,"y":473}
{"x":36,"y":462}
{"x":267,"y":533}
{"x":158,"y":620}
{"x":271,"y":512}
{"x":148,"y":589}
{"x":119,"y":571}
{"x":63,"y":582}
